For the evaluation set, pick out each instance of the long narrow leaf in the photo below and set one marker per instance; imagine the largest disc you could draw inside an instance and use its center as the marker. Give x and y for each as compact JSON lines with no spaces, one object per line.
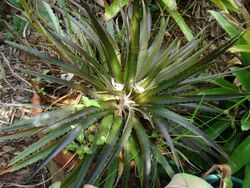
{"x":43,"y":119}
{"x":161,"y":124}
{"x":107,"y":150}
{"x":111,"y":53}
{"x":70,"y":137}
{"x":105,"y":124}
{"x":146,"y":153}
{"x":69,"y":84}
{"x":163,"y":161}
{"x":176,"y":118}
{"x":168,"y":100}
{"x":42,"y":55}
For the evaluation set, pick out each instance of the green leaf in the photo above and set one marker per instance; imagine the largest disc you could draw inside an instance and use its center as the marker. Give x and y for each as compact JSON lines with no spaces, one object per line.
{"x":112,"y":174}
{"x":217,"y":91}
{"x":55,"y":185}
{"x":226,"y":5}
{"x":126,"y":132}
{"x":240,"y":156}
{"x":107,"y":149}
{"x":245,"y":121}
{"x":161,"y":124}
{"x":134,"y":44}
{"x":188,"y":70}
{"x":71,"y":117}
{"x":72,"y":177}
{"x":19,"y":135}
{"x":171,"y":4}
{"x":124,"y":167}
{"x":184,"y":180}
{"x":246,"y":181}
{"x":232,"y":30}
{"x":145,"y":148}
{"x":26,"y":7}
{"x":203,"y":107}
{"x":153,"y":50}
{"x":53,"y":17}
{"x":228,"y":182}
{"x":72,"y":147}
{"x":113,"y":9}
{"x":184,"y":122}
{"x":163,"y":161}
{"x":240,"y":48}
{"x":40,"y":143}
{"x":88,"y":102}
{"x":110,"y":49}
{"x":243,"y":77}
{"x":70,"y":137}
{"x":171,"y":7}
{"x":87,"y":150}
{"x":215,"y":130}
{"x":144,"y":40}
{"x":15,"y":3}
{"x":44,"y":119}
{"x":14,"y":33}
{"x":34,"y":157}
{"x":90,"y":137}
{"x":83,"y":167}
{"x":168,"y":100}
{"x":42,"y":55}
{"x":154,"y":134}
{"x":136,"y":155}
{"x":229,"y":28}
{"x":69,"y":84}
{"x":80,"y":138}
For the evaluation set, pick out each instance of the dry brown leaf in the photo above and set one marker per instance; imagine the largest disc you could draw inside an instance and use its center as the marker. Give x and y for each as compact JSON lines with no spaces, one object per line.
{"x":36,"y":100}
{"x":223,"y":169}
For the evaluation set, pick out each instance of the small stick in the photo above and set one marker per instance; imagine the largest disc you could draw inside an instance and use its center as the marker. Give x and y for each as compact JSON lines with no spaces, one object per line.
{"x":13,"y":73}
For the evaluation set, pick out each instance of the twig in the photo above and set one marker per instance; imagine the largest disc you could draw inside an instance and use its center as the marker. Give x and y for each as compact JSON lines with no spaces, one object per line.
{"x":13,"y":73}
{"x":2,"y":76}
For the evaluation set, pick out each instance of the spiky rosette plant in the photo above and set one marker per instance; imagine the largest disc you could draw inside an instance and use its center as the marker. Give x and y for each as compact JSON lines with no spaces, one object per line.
{"x":139,"y":84}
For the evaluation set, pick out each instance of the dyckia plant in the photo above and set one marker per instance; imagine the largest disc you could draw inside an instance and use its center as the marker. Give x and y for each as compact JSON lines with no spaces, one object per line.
{"x":139,"y":84}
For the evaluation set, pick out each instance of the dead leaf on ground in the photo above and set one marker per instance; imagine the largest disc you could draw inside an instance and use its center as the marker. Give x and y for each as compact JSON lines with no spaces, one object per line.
{"x":36,"y":100}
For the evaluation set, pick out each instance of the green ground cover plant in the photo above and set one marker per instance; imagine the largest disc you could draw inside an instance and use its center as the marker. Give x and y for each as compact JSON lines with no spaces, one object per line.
{"x":231,"y":24}
{"x":135,"y":86}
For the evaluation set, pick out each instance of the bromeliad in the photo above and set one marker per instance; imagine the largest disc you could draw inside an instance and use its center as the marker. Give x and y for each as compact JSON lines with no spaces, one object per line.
{"x":140,"y":83}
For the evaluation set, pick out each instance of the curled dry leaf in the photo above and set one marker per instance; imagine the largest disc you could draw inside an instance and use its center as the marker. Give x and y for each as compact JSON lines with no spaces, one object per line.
{"x":224,"y":170}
